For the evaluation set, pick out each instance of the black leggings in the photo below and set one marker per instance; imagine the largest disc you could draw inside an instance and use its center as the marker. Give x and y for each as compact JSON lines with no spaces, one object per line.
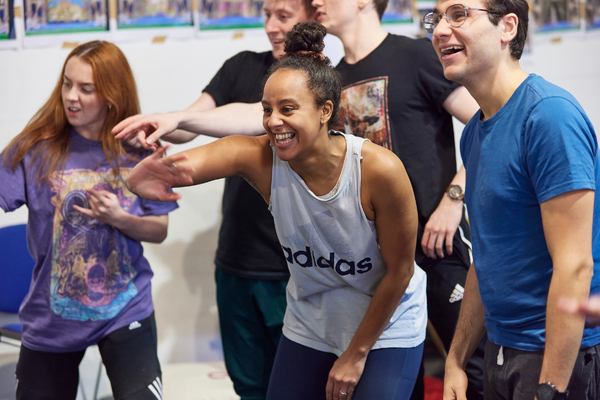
{"x":129,"y":356}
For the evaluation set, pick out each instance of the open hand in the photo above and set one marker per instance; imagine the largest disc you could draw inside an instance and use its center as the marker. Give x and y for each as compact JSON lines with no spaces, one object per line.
{"x":154,"y":176}
{"x":145,"y":130}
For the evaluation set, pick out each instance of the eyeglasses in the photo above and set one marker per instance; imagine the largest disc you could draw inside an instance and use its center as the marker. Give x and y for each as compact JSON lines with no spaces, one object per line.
{"x":455,"y":16}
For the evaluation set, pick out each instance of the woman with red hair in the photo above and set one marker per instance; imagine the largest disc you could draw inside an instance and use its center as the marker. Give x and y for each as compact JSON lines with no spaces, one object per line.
{"x":91,"y":282}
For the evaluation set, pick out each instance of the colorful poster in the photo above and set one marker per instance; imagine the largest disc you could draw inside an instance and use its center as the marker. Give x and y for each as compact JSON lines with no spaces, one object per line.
{"x":398,"y":11}
{"x":7,"y":20}
{"x":65,"y":16}
{"x":592,"y":14}
{"x":556,"y":15}
{"x":364,"y":111}
{"x":230,"y":14}
{"x":154,"y":13}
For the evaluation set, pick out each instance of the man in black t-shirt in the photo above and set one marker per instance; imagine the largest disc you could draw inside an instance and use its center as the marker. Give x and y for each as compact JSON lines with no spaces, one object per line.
{"x":396,"y":95}
{"x":251,"y":273}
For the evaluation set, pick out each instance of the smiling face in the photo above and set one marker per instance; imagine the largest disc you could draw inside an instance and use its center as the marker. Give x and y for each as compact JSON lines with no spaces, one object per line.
{"x":471,"y":50}
{"x":291,"y":117}
{"x":280,"y":18}
{"x":85,"y":109}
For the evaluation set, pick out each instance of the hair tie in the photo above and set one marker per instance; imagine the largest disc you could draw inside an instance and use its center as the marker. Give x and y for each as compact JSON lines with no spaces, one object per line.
{"x":314,"y":54}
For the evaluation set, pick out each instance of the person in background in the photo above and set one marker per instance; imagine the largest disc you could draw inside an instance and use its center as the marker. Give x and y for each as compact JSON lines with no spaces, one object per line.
{"x":345,"y":215}
{"x":396,"y":95}
{"x":532,"y":168}
{"x":91,"y":282}
{"x":251,"y":273}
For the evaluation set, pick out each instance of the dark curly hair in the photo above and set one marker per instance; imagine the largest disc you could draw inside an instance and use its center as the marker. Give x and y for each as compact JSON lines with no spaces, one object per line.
{"x":304,"y":51}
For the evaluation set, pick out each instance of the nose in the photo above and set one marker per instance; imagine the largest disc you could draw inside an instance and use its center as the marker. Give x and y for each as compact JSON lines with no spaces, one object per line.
{"x":271,"y":25}
{"x":317,"y":3}
{"x":70,"y":94}
{"x":442,"y":28}
{"x":274,"y":121}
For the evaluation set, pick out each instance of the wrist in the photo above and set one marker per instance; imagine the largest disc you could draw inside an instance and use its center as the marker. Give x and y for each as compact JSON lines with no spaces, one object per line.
{"x":456,"y":193}
{"x":547,"y":391}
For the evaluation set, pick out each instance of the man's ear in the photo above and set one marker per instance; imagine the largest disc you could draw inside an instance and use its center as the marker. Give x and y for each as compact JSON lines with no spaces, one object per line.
{"x":327,"y":110}
{"x":363,"y":3}
{"x":510,"y":22}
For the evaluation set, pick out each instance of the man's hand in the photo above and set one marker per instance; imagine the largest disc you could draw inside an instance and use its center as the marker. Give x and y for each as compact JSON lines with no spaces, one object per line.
{"x":145,"y":130}
{"x":439,"y":230}
{"x":455,"y":382}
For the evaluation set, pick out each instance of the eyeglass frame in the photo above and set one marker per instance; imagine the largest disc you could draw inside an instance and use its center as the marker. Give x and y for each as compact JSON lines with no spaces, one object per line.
{"x":432,"y":26}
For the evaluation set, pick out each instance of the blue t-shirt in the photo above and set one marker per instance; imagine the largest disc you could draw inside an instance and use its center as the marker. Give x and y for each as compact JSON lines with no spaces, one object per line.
{"x":539,"y":145}
{"x":89,"y":279}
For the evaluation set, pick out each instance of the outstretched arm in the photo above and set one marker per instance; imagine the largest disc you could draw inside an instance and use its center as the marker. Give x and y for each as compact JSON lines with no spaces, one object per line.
{"x":250,"y":157}
{"x":589,"y":308}
{"x":443,"y":222}
{"x":567,"y":220}
{"x":388,"y":199}
{"x":230,"y":119}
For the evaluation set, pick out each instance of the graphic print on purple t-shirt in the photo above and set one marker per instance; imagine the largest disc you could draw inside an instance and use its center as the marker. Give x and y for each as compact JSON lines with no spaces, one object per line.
{"x":364,"y":111}
{"x":92,"y":273}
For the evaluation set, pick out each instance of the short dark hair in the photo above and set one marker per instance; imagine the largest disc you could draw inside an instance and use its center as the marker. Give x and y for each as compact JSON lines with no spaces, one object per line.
{"x":304,"y":52}
{"x":499,"y":8}
{"x":380,"y":6}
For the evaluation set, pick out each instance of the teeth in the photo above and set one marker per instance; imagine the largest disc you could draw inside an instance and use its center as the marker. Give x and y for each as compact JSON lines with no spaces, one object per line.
{"x":73,"y":109}
{"x":283,"y":136}
{"x":452,"y":49}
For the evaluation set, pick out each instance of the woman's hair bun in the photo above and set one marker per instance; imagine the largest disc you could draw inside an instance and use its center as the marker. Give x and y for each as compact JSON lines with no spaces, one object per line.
{"x":305,"y":37}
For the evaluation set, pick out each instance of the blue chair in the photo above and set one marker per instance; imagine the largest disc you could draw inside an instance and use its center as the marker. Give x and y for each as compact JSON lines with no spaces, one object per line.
{"x":16,"y":268}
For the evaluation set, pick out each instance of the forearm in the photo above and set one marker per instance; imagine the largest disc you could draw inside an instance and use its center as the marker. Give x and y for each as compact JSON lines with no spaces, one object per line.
{"x":470,"y":327}
{"x":460,"y":178}
{"x":564,"y":331}
{"x":150,"y":228}
{"x":230,"y":119}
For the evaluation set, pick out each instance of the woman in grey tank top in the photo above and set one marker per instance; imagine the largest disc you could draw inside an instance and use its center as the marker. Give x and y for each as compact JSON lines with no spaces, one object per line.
{"x":346,"y":218}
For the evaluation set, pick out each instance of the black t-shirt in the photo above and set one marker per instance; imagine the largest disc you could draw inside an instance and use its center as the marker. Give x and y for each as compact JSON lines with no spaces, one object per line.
{"x":248,"y":245}
{"x":394,"y":97}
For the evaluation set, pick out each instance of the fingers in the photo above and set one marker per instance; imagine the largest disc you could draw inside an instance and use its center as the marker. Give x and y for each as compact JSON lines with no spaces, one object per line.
{"x":85,"y":211}
{"x":433,"y":243}
{"x":157,"y":134}
{"x":124,"y":127}
{"x":449,"y":240}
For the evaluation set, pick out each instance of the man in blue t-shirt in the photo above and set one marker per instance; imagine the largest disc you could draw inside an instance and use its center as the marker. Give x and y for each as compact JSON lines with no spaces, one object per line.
{"x":532,"y":167}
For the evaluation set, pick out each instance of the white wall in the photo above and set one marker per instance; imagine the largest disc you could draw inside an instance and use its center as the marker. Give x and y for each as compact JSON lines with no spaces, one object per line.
{"x":170,"y":76}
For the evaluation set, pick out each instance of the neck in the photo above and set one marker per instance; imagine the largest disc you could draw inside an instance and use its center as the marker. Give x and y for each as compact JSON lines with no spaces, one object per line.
{"x":362,"y":37}
{"x":494,"y":91}
{"x":321,"y":169}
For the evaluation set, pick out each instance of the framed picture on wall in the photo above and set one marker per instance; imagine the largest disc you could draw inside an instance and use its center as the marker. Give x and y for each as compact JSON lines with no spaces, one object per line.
{"x":7,"y":20}
{"x":153,"y":13}
{"x":65,"y":16}
{"x":592,"y":14}
{"x":398,"y":11}
{"x":556,"y":15}
{"x":231,"y":14}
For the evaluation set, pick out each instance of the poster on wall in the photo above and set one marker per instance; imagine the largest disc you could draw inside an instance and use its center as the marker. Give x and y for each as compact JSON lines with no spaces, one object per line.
{"x":7,"y":20}
{"x":231,"y":14}
{"x":65,"y":16}
{"x":154,"y":13}
{"x":398,"y":11}
{"x":556,"y":15}
{"x":592,"y":14}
